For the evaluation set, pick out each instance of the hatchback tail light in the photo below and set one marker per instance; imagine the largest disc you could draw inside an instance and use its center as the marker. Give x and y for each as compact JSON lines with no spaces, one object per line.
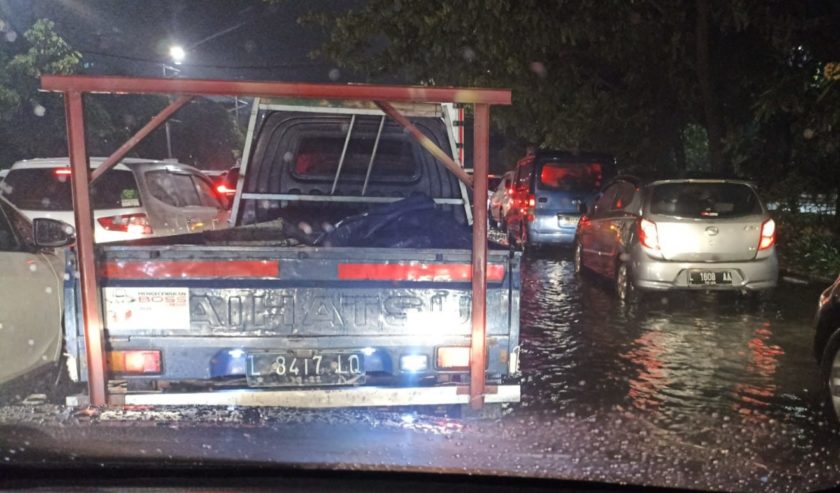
{"x":768,"y":235}
{"x":137,"y":224}
{"x":648,"y":235}
{"x":225,"y":191}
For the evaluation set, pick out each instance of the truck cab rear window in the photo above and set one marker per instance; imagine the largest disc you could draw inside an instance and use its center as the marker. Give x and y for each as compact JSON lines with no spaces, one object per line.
{"x":317,"y":158}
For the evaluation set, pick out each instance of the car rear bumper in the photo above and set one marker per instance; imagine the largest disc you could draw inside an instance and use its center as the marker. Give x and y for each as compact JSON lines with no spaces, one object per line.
{"x":547,"y":229}
{"x":314,"y":398}
{"x":654,"y":274}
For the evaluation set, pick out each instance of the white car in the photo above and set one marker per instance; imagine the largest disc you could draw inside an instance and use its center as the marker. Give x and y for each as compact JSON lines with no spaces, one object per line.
{"x":138,"y":198}
{"x":31,"y":280}
{"x":500,"y":200}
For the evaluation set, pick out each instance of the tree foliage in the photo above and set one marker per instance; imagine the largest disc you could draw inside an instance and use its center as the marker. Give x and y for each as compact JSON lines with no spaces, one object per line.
{"x":32,"y":123}
{"x":623,"y":76}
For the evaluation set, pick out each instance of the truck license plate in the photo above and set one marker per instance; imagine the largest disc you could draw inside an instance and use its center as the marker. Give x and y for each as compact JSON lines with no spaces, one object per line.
{"x":313,"y":368}
{"x":709,"y":278}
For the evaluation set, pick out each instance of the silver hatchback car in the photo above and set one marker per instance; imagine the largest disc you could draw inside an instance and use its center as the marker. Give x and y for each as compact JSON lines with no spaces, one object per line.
{"x":704,"y":234}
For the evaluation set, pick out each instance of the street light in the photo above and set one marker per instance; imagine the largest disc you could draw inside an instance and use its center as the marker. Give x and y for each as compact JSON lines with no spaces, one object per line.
{"x":177,"y":53}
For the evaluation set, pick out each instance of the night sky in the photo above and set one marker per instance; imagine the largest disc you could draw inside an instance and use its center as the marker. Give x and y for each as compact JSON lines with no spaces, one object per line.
{"x":244,"y":39}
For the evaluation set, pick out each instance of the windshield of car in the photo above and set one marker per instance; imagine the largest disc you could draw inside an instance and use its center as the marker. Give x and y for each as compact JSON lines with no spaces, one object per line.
{"x":571,"y":177}
{"x":704,"y":200}
{"x":48,"y":189}
{"x":652,"y":301}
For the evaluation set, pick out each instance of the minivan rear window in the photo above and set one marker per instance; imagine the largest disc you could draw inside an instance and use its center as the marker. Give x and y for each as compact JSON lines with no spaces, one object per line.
{"x":48,"y":189}
{"x":704,"y":200}
{"x":571,"y":177}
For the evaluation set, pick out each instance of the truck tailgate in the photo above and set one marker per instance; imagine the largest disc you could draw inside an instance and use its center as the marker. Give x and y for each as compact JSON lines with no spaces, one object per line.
{"x":231,"y":313}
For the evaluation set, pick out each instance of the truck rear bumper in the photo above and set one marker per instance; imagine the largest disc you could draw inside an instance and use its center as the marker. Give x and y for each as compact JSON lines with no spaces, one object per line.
{"x":315,"y":398}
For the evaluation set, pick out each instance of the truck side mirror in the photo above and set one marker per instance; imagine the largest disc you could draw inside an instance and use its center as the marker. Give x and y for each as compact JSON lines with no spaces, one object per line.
{"x":50,"y":233}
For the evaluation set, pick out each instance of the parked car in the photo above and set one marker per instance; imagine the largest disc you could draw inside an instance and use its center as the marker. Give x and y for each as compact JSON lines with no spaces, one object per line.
{"x":32,"y":274}
{"x":138,"y":198}
{"x":827,"y":346}
{"x":500,"y":200}
{"x":679,"y":234}
{"x":549,"y":190}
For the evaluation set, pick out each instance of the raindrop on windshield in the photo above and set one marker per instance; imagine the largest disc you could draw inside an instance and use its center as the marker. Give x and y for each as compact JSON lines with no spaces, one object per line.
{"x":11,"y":36}
{"x":539,"y":69}
{"x":334,"y":74}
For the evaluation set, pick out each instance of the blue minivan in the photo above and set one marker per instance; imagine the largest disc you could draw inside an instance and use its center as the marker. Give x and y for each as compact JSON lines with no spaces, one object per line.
{"x":550,"y":189}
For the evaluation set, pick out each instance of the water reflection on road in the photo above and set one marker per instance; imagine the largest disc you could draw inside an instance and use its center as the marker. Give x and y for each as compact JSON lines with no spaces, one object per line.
{"x":678,"y":357}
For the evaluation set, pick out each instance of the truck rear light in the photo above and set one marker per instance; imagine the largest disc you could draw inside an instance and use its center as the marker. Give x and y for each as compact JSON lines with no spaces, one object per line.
{"x":768,"y":235}
{"x":137,"y":362}
{"x":137,"y":224}
{"x":415,"y":272}
{"x":414,"y":363}
{"x":648,"y":235}
{"x":453,"y":357}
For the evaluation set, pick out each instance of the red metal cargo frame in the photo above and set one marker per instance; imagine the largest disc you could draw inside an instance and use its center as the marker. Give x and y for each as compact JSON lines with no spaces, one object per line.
{"x":74,"y":88}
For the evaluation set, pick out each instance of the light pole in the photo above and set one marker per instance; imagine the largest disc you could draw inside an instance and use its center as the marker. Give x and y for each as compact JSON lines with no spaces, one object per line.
{"x":177,"y":54}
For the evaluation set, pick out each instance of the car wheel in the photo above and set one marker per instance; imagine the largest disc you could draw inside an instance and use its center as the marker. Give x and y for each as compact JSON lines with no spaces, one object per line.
{"x":624,"y":284}
{"x":578,"y":258}
{"x":831,"y":377}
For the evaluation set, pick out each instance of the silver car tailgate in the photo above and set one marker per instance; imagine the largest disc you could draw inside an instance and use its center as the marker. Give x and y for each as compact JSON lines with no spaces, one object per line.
{"x":708,"y":240}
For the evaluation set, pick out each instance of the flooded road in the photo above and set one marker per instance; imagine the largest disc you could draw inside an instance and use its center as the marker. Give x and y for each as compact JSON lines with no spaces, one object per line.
{"x":692,"y":390}
{"x":676,"y":356}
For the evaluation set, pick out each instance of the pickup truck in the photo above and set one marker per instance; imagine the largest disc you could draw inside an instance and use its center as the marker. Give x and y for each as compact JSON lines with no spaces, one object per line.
{"x":269,"y":313}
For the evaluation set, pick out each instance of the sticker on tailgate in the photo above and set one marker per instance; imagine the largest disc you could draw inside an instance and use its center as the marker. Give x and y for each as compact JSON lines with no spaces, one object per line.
{"x":147,"y":308}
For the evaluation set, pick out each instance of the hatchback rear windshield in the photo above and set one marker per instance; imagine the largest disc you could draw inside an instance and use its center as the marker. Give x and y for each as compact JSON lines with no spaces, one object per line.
{"x":571,"y":177}
{"x":48,"y":189}
{"x":704,"y":200}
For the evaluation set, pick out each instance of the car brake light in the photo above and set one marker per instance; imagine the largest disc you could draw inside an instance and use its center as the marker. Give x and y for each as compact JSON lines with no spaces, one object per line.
{"x":648,"y":235}
{"x":768,"y":235}
{"x":224,"y":190}
{"x":453,"y":357}
{"x":532,"y":201}
{"x":62,"y":171}
{"x":137,"y":224}
{"x":143,"y":361}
